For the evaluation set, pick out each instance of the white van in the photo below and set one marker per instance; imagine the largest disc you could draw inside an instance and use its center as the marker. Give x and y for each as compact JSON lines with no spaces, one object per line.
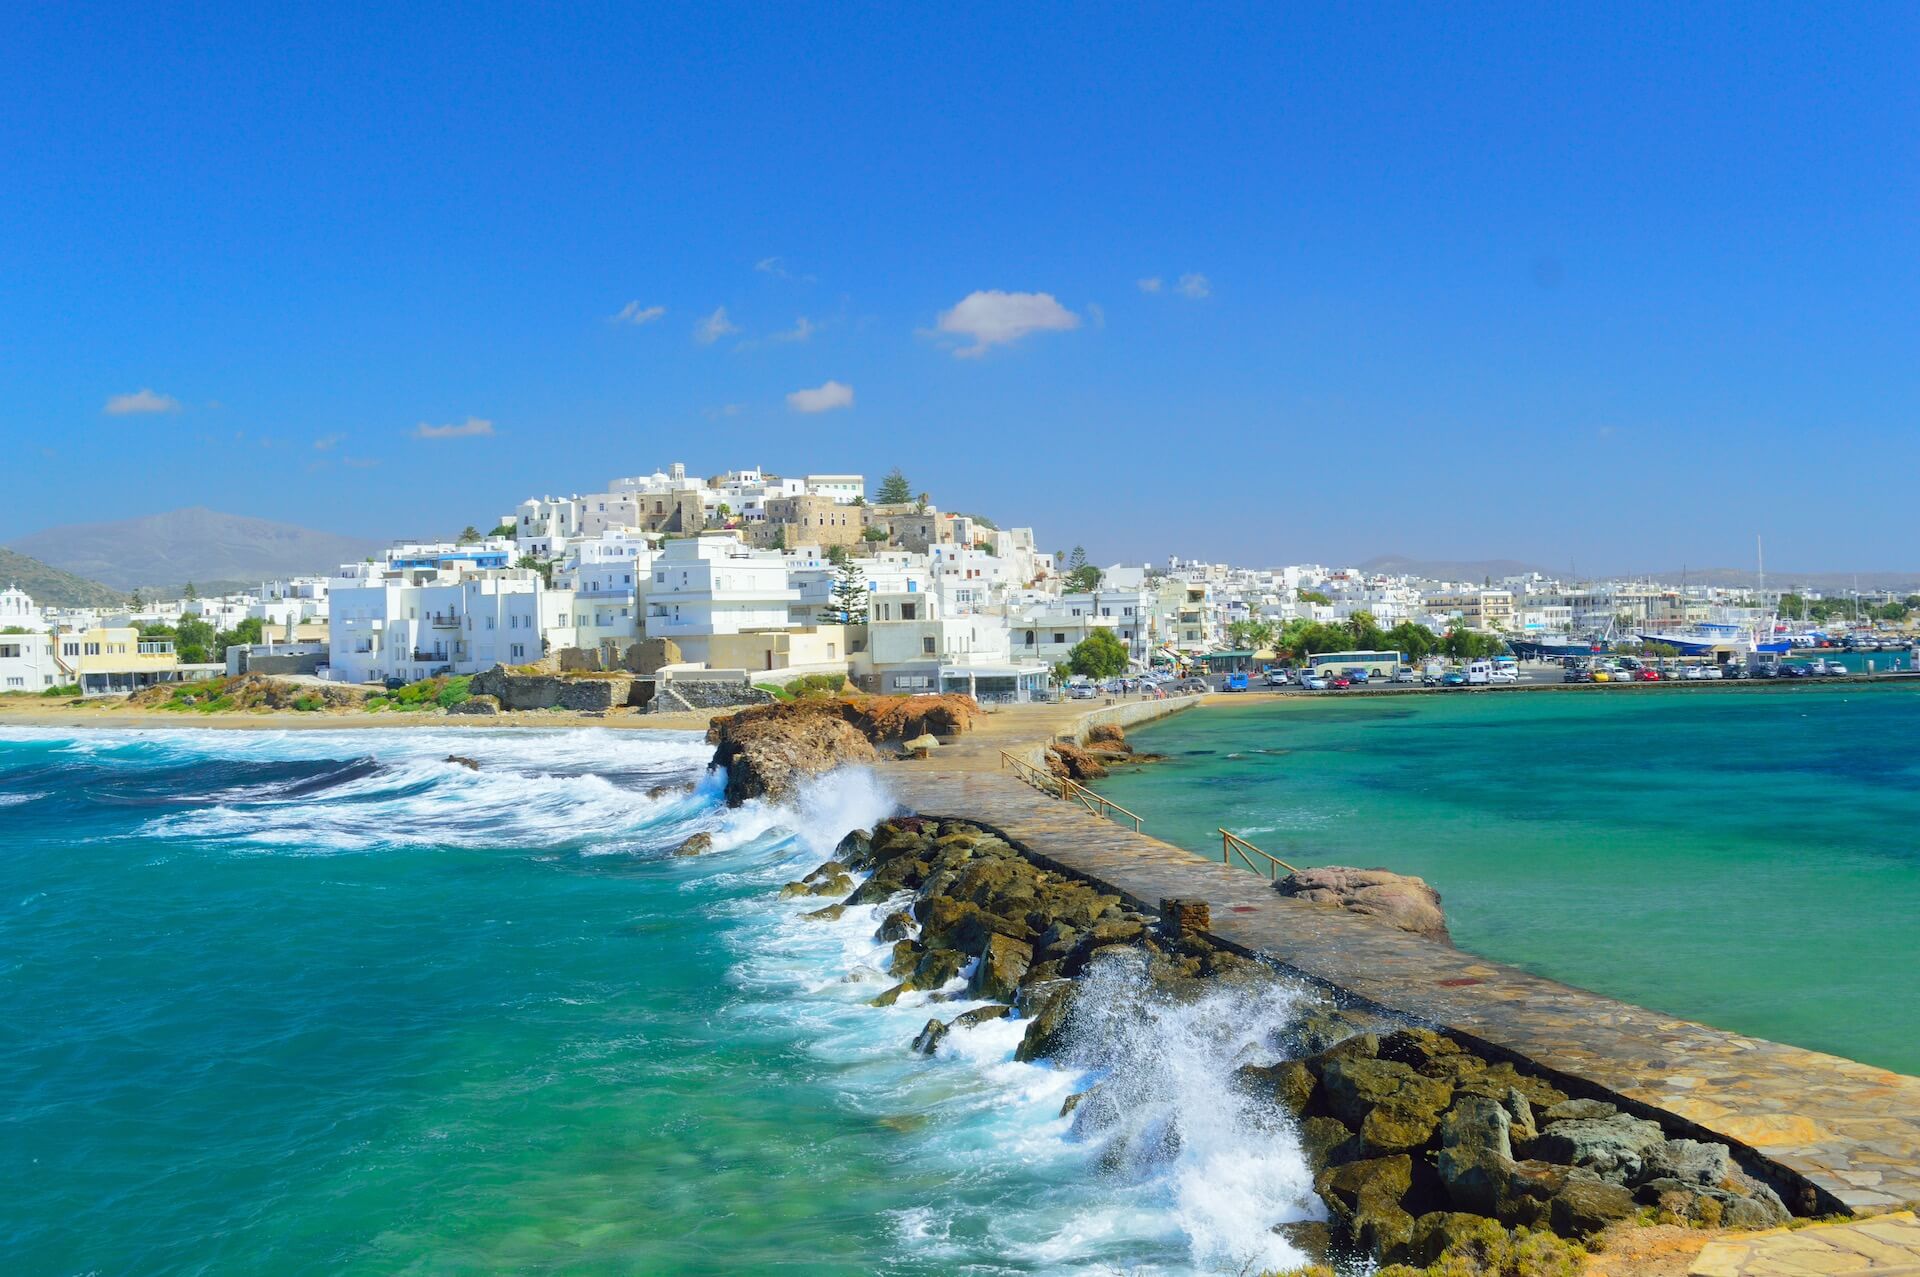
{"x":1480,"y":672}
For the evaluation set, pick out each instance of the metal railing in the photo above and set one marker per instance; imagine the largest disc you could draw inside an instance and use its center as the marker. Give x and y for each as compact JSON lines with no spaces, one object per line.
{"x":1232,"y":845}
{"x":1068,"y":790}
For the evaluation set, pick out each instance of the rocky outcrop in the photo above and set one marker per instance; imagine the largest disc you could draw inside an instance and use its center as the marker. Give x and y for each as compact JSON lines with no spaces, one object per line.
{"x":767,"y":752}
{"x":1068,"y":760}
{"x":1396,"y":899}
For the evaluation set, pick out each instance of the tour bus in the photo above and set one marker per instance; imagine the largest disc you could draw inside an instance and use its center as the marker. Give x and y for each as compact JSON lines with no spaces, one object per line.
{"x":1380,"y":665}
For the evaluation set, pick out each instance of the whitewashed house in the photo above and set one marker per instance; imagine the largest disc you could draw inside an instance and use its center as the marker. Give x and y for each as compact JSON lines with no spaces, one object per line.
{"x":712,"y":585}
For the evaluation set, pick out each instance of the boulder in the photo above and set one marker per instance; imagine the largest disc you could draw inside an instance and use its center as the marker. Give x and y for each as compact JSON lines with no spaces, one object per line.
{"x":927,"y":1041}
{"x":906,"y":956}
{"x":461,"y":760}
{"x":1327,"y":1141}
{"x":1575,"y":1110}
{"x":1289,"y":1084}
{"x":768,"y":751}
{"x":1439,"y":1232}
{"x":1396,"y":899}
{"x":1312,"y":1238}
{"x":1051,"y":1007}
{"x":1476,"y":1154}
{"x":936,"y":968}
{"x":1003,"y":961}
{"x":1689,"y":1162}
{"x":897,"y":925}
{"x":829,"y":914}
{"x":855,"y":849}
{"x":1587,"y":1204}
{"x":980,"y":1015}
{"x":1396,"y":1109}
{"x":1614,"y":1148}
{"x":1364,"y":1198}
{"x":1109,"y":736}
{"x":694,"y":845}
{"x":1070,"y":762}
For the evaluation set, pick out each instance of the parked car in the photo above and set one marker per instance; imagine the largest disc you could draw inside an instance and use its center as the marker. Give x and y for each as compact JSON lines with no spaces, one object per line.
{"x":1192,"y":687}
{"x":1504,"y":674}
{"x":1403,"y":675}
{"x":1080,"y":691}
{"x":1313,"y":682}
{"x":1234,"y":683}
{"x":1453,"y":678}
{"x":1354,"y":674}
{"x":1276,"y":678}
{"x":1648,"y":676}
{"x":1576,"y":674}
{"x":1795,"y":669}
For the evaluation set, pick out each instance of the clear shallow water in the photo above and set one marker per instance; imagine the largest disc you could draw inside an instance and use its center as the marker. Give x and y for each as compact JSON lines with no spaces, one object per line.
{"x":322,"y":1002}
{"x":1746,"y":858}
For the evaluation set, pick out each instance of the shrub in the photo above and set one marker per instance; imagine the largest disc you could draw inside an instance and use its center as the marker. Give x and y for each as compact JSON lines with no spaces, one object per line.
{"x":71,"y":689}
{"x":817,"y":685}
{"x":308,"y":703}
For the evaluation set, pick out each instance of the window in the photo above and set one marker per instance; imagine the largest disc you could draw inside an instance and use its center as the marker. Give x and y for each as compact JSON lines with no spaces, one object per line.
{"x":1059,"y":637}
{"x":926,"y":645}
{"x":908,"y":611}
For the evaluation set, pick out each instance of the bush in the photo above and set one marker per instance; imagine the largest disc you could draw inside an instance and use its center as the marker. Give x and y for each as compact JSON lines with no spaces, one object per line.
{"x":307,"y":704}
{"x":818,"y":685}
{"x":71,"y":689}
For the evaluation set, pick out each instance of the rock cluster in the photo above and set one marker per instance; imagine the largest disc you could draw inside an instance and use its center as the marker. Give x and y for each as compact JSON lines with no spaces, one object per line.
{"x":1420,"y":1148}
{"x":1024,"y":932}
{"x":1400,"y":900}
{"x":1414,"y":1140}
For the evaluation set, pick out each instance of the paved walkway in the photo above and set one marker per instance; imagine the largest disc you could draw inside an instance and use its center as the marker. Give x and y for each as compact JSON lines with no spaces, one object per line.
{"x":1884,"y":1246}
{"x":1838,"y":1134}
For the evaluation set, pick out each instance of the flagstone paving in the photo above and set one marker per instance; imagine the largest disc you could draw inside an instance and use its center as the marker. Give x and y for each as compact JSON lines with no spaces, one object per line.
{"x":1830,"y":1134}
{"x":1884,"y":1246}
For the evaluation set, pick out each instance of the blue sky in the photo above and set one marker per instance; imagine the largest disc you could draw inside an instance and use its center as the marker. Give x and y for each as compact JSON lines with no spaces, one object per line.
{"x":1609,"y":287}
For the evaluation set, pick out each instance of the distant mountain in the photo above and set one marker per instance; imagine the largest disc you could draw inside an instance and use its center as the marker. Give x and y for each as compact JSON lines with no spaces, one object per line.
{"x":1446,"y":570}
{"x":191,"y":545}
{"x":1822,"y":582}
{"x":51,"y":586}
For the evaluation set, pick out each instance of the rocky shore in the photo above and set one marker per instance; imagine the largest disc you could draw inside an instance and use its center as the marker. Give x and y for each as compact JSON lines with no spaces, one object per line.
{"x":1423,"y":1152}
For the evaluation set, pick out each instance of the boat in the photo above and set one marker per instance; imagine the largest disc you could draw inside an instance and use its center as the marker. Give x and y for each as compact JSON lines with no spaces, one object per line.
{"x":1546,"y":646}
{"x":1709,"y":637}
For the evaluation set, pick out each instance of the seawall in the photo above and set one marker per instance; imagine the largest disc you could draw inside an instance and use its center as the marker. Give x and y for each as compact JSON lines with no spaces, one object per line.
{"x":1830,"y":1134}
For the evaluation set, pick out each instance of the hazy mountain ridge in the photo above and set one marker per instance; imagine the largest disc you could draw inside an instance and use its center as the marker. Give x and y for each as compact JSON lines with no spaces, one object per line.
{"x":195,"y":544}
{"x":49,"y":586}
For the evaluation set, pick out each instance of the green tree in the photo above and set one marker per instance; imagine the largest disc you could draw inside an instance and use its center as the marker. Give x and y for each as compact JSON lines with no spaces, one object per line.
{"x":469,"y":534}
{"x":1414,"y":641}
{"x":543,"y":566}
{"x":1082,"y":576}
{"x":248,"y":632}
{"x":135,"y":602}
{"x":920,"y":503}
{"x":1366,"y":632}
{"x":504,"y":530}
{"x":894,"y":489}
{"x":190,"y":593}
{"x":1313,"y":596}
{"x":838,"y":555}
{"x":848,"y":604}
{"x":193,"y":641}
{"x":874,"y":535}
{"x":1463,"y":644}
{"x":1098,"y":655}
{"x":1793,"y":607}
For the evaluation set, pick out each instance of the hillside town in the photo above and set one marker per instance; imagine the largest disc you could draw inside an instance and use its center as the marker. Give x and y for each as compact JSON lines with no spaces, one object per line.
{"x":764,"y":579}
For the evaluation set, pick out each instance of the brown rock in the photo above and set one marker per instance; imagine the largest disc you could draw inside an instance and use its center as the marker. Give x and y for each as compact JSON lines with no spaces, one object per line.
{"x":1364,"y":1198}
{"x":695,"y":845}
{"x":1396,"y":899}
{"x":1071,"y":762}
{"x":769,"y":750}
{"x":1109,"y":736}
{"x":1003,"y":962}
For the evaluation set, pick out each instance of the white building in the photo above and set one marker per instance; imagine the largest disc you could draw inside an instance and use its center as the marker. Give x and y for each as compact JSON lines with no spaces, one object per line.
{"x":705,"y":586}
{"x":29,"y":661}
{"x":914,"y":646}
{"x":17,"y":611}
{"x":418,"y":622}
{"x":605,"y":573}
{"x":845,"y":489}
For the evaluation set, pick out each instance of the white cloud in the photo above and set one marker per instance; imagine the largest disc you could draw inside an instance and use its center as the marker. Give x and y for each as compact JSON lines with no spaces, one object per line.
{"x":777,"y":267}
{"x":1193,"y":285}
{"x":1151,"y":284}
{"x":472,"y":427}
{"x":636,"y":314}
{"x":326,"y":443}
{"x":1097,"y":314}
{"x":993,"y":318}
{"x":802,"y":329}
{"x":834,"y":394}
{"x":713,"y":327}
{"x":140,"y":401}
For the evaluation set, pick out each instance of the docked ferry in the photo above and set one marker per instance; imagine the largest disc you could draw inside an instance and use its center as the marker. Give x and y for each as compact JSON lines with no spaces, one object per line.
{"x":1708,"y":637}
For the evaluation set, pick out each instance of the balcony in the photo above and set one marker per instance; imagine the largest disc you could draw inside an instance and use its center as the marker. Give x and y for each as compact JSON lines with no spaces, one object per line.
{"x":444,"y":622}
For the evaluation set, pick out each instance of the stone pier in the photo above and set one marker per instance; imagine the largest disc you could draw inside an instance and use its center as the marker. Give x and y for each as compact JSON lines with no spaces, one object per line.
{"x":1830,"y":1134}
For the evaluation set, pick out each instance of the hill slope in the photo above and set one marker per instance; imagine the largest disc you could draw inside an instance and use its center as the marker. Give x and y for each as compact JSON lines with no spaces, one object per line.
{"x":51,"y":586}
{"x":191,"y":545}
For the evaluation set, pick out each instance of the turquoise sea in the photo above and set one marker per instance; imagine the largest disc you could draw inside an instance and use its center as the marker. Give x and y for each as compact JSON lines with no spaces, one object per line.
{"x":325,"y":1002}
{"x":1749,"y":858}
